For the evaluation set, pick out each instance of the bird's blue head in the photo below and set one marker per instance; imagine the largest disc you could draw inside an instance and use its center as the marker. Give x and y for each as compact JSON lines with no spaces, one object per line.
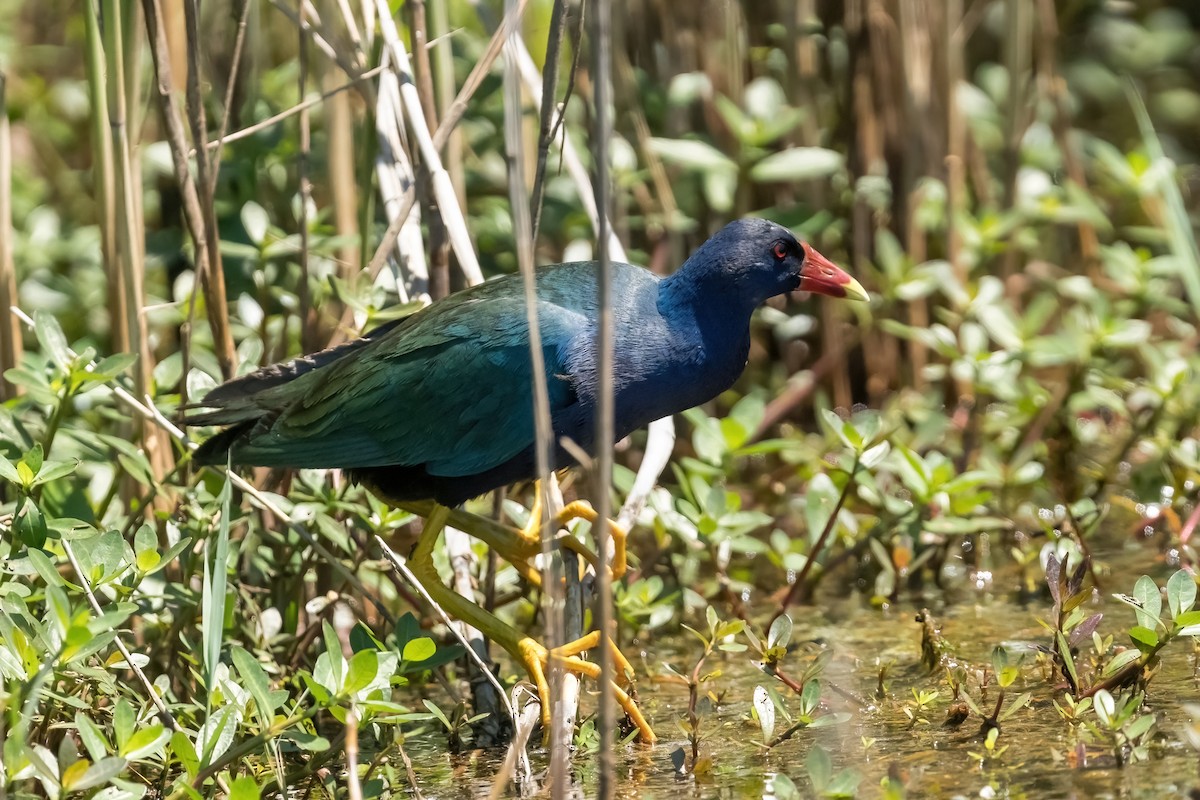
{"x":751,"y":260}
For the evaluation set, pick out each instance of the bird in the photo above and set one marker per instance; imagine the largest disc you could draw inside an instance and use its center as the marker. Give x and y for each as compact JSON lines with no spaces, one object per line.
{"x":437,"y":408}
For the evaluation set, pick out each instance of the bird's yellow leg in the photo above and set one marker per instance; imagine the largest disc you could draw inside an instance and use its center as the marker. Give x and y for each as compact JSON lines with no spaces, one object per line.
{"x":532,"y":532}
{"x":525,"y":649}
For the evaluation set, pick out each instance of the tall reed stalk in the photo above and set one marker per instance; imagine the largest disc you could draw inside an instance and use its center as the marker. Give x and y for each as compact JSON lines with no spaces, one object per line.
{"x":113,"y":60}
{"x":10,"y":325}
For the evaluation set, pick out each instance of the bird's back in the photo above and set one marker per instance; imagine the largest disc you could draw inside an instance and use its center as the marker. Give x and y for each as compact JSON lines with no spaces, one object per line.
{"x":442,"y":399}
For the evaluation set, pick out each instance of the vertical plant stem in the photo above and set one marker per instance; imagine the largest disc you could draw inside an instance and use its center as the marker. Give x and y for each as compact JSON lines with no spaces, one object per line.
{"x":308,"y":326}
{"x":105,"y":180}
{"x":599,"y":37}
{"x":10,"y":327}
{"x":955,"y":136}
{"x":130,"y":237}
{"x":558,"y":27}
{"x":443,"y":81}
{"x":439,"y":243}
{"x":541,"y":399}
{"x":213,"y":277}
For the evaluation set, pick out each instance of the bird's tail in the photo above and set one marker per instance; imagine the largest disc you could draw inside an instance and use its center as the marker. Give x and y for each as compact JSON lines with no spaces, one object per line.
{"x":214,"y":451}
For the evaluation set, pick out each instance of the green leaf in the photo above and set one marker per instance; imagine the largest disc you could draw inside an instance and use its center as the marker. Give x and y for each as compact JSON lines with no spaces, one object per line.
{"x":1181,"y":593}
{"x":764,"y":711}
{"x":255,"y":679}
{"x":91,"y":736}
{"x":364,"y":666}
{"x":256,"y":221}
{"x":1144,"y":637}
{"x":213,"y":589}
{"x":810,"y":696}
{"x":820,"y":501}
{"x":145,"y":742}
{"x":122,"y":723}
{"x":112,"y":366}
{"x":798,"y":164}
{"x":1146,"y":592}
{"x":692,"y":155}
{"x":783,"y":788}
{"x":31,"y":526}
{"x":419,"y":649}
{"x":54,"y":470}
{"x":244,"y":788}
{"x":308,"y":741}
{"x":93,"y":775}
{"x":1120,"y":661}
{"x":216,"y":734}
{"x":8,"y":471}
{"x":1104,"y":706}
{"x":1068,"y":660}
{"x":185,"y":751}
{"x":437,"y":712}
{"x":52,"y":339}
{"x":820,"y":768}
{"x":781,"y":631}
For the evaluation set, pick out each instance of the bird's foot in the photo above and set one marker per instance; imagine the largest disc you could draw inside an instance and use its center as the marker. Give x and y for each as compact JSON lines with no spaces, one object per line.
{"x":536,"y":659}
{"x":532,"y":532}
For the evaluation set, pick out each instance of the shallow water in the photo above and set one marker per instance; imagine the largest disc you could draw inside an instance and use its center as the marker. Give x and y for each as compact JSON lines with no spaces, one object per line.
{"x":931,"y":759}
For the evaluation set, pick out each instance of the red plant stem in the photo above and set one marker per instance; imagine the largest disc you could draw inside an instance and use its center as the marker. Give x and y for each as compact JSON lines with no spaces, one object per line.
{"x":818,"y":547}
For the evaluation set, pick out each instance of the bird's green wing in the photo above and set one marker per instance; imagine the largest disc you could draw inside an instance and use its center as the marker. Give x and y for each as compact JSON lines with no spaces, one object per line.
{"x":451,"y":391}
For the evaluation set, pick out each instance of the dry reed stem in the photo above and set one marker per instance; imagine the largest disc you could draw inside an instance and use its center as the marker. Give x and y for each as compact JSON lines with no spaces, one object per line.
{"x":239,"y":44}
{"x":439,"y":243}
{"x":398,"y":187}
{"x":308,"y":315}
{"x":600,"y":39}
{"x":105,"y":181}
{"x":558,"y":26}
{"x":449,"y":121}
{"x":553,"y":599}
{"x":213,"y":277}
{"x":439,"y":27}
{"x":443,"y":190}
{"x":342,"y":169}
{"x":10,"y":329}
{"x":130,"y":235}
{"x":193,"y":215}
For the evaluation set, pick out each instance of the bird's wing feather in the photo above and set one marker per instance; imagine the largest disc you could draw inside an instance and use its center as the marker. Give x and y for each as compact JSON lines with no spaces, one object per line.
{"x":450,"y":391}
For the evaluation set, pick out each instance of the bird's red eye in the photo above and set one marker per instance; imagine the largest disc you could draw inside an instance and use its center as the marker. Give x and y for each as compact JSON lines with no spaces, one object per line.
{"x":780,"y":250}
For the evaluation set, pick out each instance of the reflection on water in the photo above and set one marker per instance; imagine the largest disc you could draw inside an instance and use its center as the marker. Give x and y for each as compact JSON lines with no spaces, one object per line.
{"x":933,"y":760}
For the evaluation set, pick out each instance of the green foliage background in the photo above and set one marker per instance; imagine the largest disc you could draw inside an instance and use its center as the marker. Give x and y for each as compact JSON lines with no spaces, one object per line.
{"x":1014,"y":183}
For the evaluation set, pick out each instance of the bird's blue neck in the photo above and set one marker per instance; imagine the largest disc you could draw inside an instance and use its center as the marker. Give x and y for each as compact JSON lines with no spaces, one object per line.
{"x":710,"y":323}
{"x":709,"y":296}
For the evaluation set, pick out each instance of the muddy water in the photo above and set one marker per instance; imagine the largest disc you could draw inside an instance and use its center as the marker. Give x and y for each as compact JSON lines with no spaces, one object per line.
{"x":930,"y":758}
